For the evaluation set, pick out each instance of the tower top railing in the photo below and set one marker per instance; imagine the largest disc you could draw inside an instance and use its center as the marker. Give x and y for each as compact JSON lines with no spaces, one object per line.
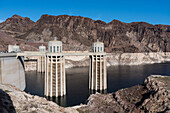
{"x":98,"y":47}
{"x":54,"y":46}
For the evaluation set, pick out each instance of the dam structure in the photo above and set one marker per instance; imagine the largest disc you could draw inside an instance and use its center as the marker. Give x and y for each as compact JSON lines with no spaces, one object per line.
{"x":52,"y":62}
{"x":55,"y":79}
{"x":12,"y":69}
{"x":97,"y":67}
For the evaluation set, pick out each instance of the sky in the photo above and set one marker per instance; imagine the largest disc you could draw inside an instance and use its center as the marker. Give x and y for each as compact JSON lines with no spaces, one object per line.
{"x":151,"y":11}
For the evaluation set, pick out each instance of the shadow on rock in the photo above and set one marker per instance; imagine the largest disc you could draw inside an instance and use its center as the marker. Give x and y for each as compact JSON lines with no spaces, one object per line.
{"x":6,"y":105}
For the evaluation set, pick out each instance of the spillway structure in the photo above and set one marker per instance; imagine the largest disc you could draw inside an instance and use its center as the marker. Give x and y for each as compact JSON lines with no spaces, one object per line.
{"x":55,"y":79}
{"x":97,"y":67}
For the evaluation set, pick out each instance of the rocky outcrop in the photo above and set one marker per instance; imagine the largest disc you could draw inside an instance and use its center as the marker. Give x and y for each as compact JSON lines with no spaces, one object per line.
{"x":151,"y":97}
{"x":159,"y":98}
{"x":13,"y":100}
{"x":81,"y":32}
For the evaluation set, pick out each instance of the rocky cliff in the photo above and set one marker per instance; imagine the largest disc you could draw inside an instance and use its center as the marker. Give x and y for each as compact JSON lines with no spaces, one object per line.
{"x":78,"y":33}
{"x":151,"y":97}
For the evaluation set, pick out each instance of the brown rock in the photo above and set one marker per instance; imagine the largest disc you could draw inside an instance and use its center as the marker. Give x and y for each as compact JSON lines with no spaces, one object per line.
{"x":151,"y":97}
{"x":81,"y":32}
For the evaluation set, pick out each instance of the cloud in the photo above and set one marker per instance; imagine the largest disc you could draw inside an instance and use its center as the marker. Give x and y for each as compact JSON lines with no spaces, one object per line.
{"x":1,"y":21}
{"x":98,"y":18}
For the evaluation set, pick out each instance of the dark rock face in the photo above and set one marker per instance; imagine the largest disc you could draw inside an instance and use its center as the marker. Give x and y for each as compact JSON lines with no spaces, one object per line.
{"x":81,"y":32}
{"x":6,"y":105}
{"x":152,"y":97}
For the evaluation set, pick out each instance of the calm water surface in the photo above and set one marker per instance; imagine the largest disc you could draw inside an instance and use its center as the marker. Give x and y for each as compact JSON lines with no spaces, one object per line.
{"x":77,"y":81}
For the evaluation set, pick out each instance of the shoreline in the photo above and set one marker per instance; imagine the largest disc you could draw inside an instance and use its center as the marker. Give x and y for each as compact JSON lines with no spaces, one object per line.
{"x":113,"y":59}
{"x":116,"y":59}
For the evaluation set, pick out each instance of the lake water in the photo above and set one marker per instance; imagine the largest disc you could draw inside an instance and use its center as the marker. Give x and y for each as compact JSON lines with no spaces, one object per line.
{"x":77,"y":81}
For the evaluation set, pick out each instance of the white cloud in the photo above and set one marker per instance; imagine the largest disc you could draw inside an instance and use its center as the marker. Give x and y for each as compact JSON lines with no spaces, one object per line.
{"x":98,"y":18}
{"x":2,"y":21}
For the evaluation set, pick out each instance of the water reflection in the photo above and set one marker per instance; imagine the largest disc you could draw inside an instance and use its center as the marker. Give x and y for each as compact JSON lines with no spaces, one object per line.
{"x":77,"y":81}
{"x":35,"y":83}
{"x":59,"y":100}
{"x":99,"y":91}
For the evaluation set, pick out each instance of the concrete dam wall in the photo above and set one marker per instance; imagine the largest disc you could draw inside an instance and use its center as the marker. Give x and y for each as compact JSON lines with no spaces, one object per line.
{"x":12,"y":71}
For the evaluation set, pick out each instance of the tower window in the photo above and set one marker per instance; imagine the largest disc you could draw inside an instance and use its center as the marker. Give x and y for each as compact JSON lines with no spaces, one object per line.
{"x":54,"y":48}
{"x":50,"y":48}
{"x":57,"y":49}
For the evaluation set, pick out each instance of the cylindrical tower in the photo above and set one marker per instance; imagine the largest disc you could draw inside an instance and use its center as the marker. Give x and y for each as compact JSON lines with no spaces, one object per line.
{"x":97,"y":68}
{"x":55,"y":79}
{"x":41,"y":60}
{"x":42,"y":48}
{"x":54,"y":46}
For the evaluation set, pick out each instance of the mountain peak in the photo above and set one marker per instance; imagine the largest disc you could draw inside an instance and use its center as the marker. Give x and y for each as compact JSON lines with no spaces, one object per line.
{"x":16,"y":16}
{"x":17,"y":24}
{"x":117,"y":22}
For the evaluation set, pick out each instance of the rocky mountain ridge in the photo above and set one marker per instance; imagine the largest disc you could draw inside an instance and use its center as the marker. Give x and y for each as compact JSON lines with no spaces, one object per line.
{"x":78,"y":33}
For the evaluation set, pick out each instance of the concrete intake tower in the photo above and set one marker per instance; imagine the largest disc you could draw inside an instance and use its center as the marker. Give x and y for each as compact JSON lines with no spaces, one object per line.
{"x":55,"y":79}
{"x":97,"y":67}
{"x":41,"y":59}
